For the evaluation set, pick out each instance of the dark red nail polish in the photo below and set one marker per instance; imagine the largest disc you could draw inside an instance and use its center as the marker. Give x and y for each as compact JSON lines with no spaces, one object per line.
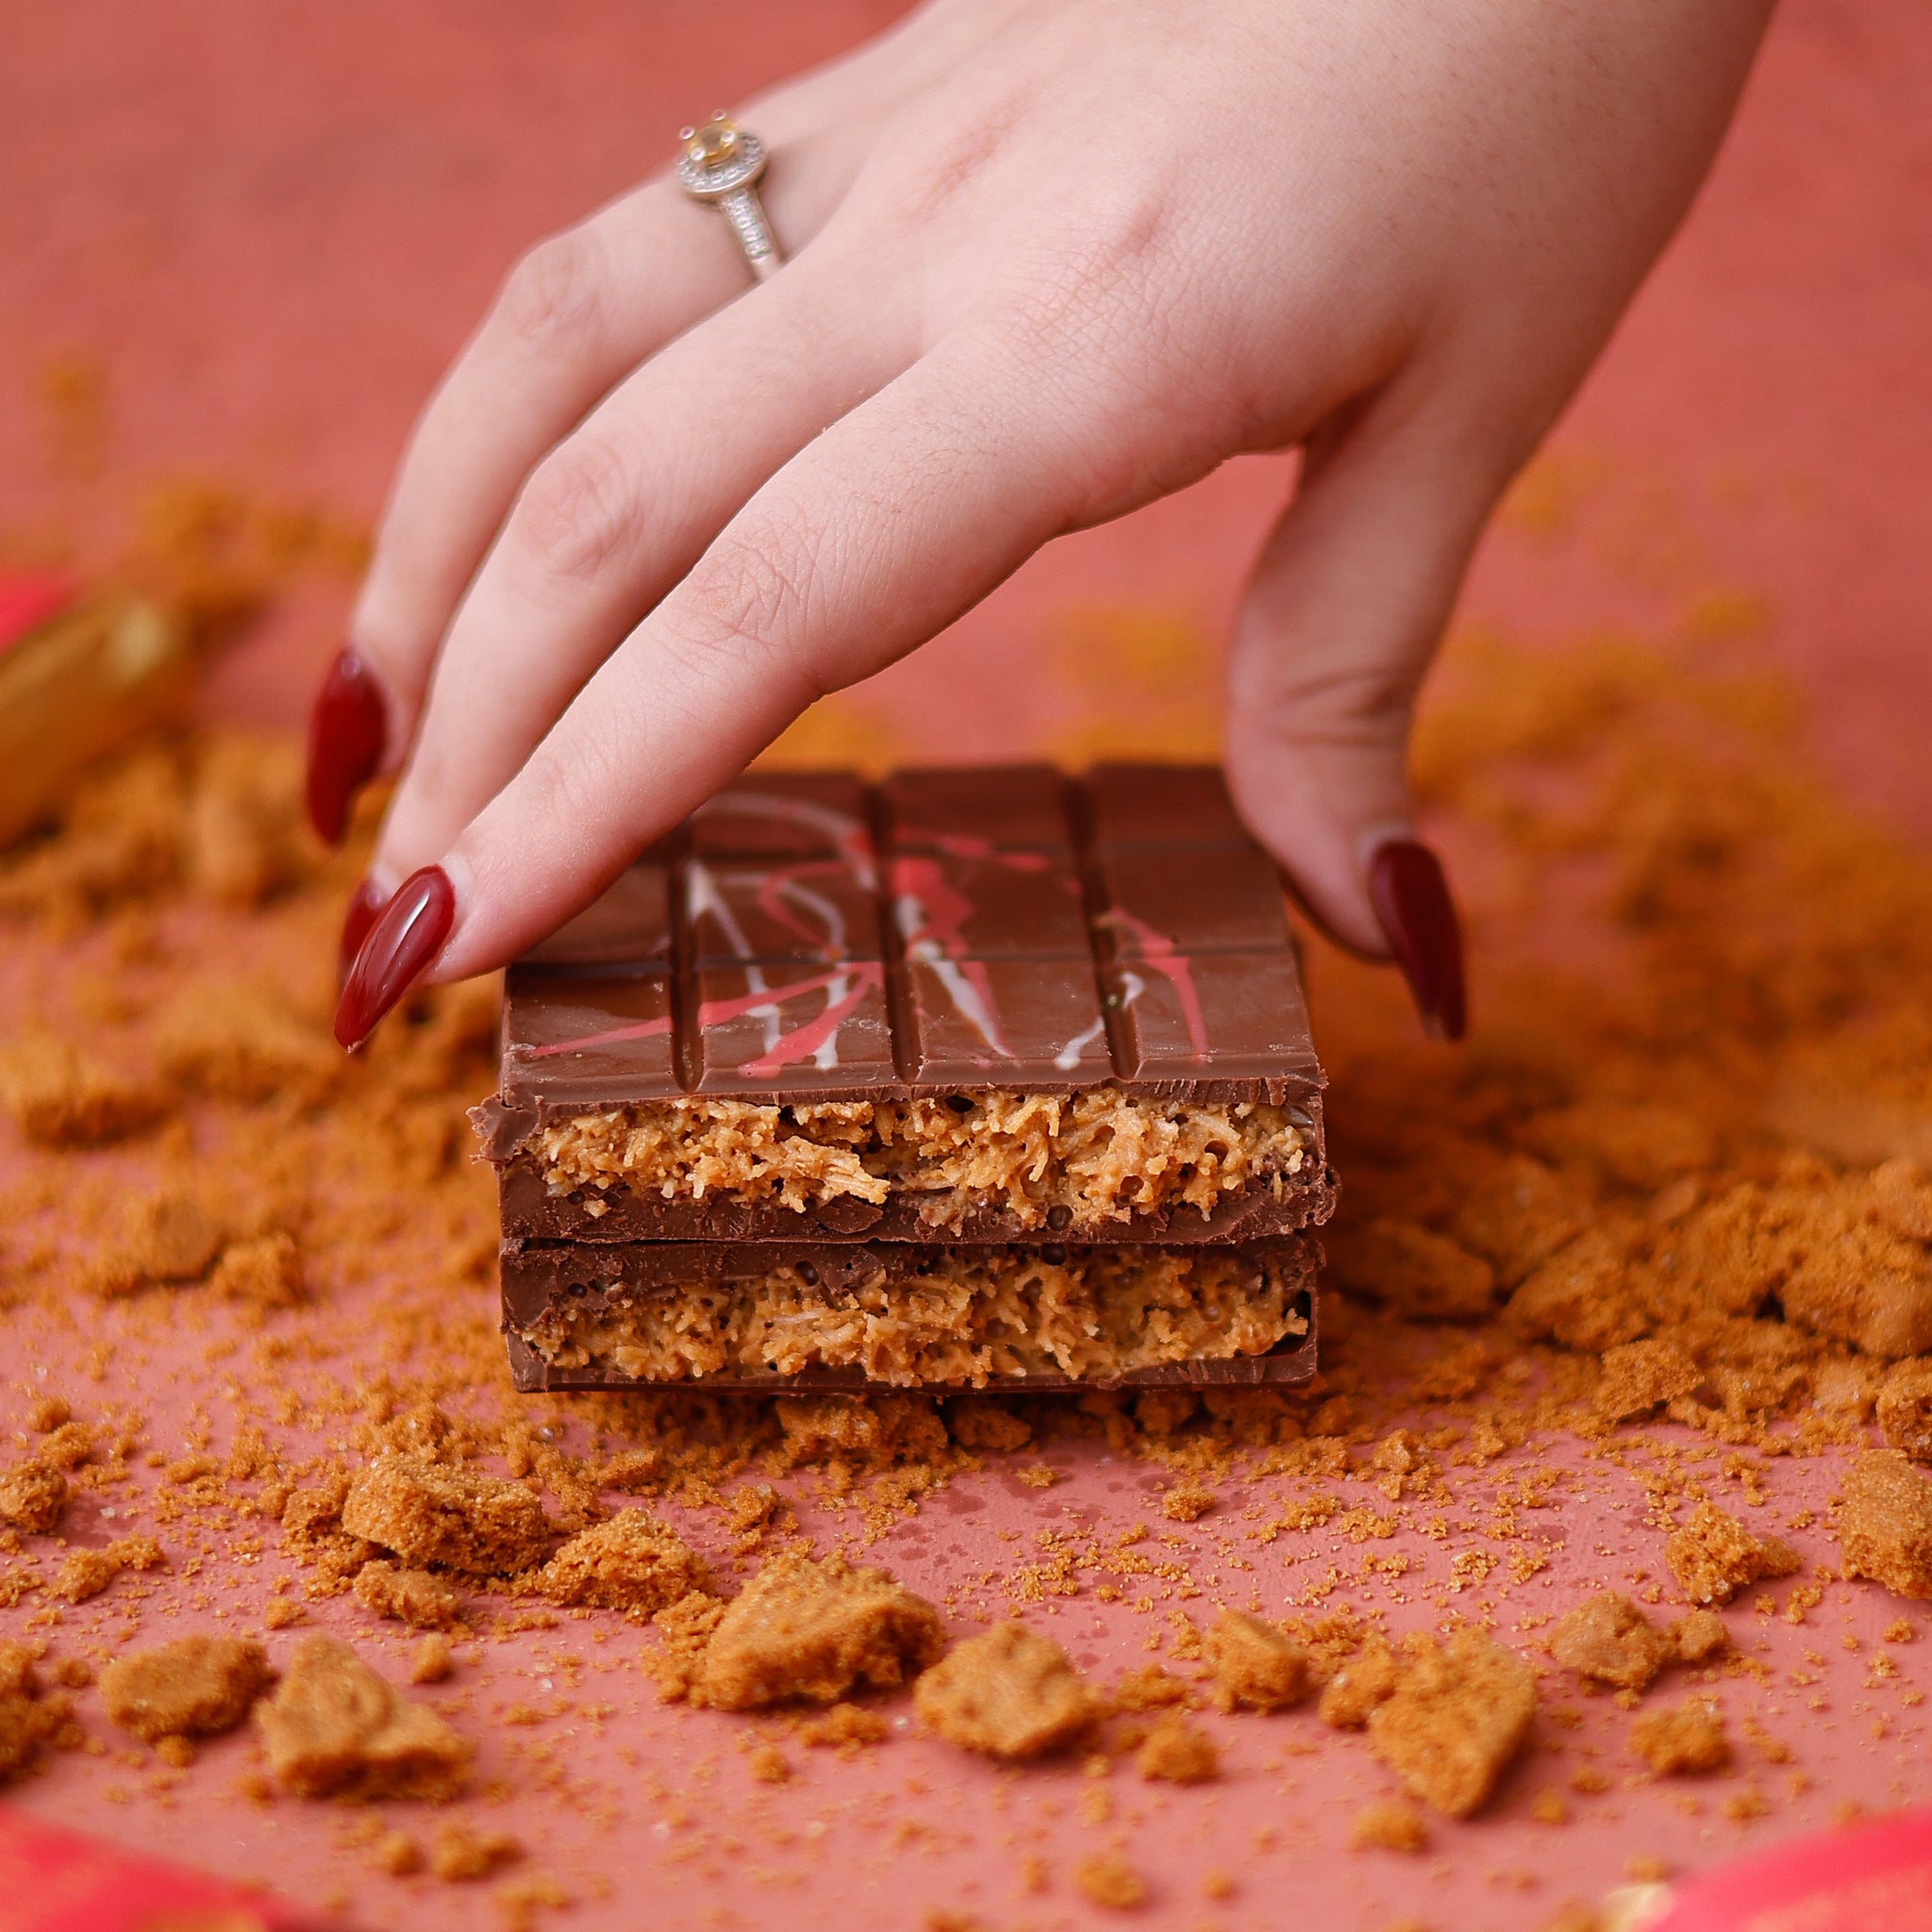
{"x":408,"y":934}
{"x":1418,"y":918}
{"x":364,"y":906}
{"x":347,"y":732}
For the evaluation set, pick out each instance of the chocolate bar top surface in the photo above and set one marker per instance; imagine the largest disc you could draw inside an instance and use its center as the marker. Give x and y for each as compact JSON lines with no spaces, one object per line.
{"x":807,"y":936}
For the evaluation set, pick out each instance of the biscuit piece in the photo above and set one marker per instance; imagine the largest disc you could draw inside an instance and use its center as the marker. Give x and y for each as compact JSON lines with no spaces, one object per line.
{"x":167,"y":1235}
{"x":458,"y":1854}
{"x":27,"y":1718}
{"x":1698,"y":1637}
{"x":1639,"y":1376}
{"x":1254,"y":1662}
{"x":1111,"y":1882}
{"x":1904,"y":1410}
{"x":1010,"y":1692}
{"x":428,"y":1513}
{"x":415,"y":1597}
{"x":1713,"y":1555}
{"x":1608,"y":1639}
{"x":814,"y":1630}
{"x":1389,"y":1826}
{"x":1458,"y":1714}
{"x":333,"y":1724}
{"x":1425,"y":1276}
{"x":1885,"y":1528}
{"x":60,"y":1098}
{"x":1364,"y":1681}
{"x":87,"y":1573}
{"x":33,"y":1497}
{"x":1174,"y":1750}
{"x":1583,"y":1296}
{"x":1687,"y":1737}
{"x":190,"y":1686}
{"x":632,"y":1562}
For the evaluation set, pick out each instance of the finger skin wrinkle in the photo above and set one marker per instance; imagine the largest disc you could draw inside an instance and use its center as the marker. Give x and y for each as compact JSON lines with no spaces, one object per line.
{"x":1352,"y":704}
{"x":579,"y":515}
{"x":751,"y":597}
{"x":554,"y":299}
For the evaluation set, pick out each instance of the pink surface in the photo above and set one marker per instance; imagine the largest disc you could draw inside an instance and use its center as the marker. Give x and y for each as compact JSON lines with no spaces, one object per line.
{"x":241,"y":241}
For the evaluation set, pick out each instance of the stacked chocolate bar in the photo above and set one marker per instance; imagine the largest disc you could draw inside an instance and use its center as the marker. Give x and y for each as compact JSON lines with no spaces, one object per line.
{"x":986,"y":1079}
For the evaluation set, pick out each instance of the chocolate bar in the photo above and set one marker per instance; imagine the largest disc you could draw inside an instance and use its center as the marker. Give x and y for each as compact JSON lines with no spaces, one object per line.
{"x":964,"y":1005}
{"x":745,"y":1315}
{"x":830,"y":1085}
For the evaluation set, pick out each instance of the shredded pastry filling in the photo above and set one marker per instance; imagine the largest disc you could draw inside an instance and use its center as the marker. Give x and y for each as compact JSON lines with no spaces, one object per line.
{"x":1096,"y":1156}
{"x":979,"y":1313}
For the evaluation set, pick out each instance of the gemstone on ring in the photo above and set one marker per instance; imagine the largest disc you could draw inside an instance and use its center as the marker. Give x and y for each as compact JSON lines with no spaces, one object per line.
{"x":721,"y":164}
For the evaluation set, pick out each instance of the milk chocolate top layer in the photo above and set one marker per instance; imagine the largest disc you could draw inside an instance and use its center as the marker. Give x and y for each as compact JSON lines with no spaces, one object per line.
{"x":806,"y":937}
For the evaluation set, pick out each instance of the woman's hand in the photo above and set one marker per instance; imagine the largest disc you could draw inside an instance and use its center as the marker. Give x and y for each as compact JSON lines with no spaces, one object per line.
{"x":1049,"y":260}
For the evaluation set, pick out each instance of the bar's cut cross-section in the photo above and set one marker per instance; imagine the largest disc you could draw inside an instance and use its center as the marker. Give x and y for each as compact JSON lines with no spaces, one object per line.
{"x":905,"y":1314}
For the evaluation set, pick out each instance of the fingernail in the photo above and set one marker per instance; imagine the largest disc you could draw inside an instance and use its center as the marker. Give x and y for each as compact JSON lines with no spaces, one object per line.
{"x":1418,"y":918}
{"x":347,"y":732}
{"x":363,"y":906}
{"x":408,"y":934}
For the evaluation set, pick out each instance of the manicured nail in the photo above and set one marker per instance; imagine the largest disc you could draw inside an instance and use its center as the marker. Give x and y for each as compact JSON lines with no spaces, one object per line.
{"x":408,"y":934}
{"x":1418,"y":918}
{"x":347,"y":732}
{"x":364,"y":906}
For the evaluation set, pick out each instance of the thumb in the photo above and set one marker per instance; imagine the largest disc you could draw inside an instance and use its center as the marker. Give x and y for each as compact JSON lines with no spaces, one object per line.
{"x":1341,"y":616}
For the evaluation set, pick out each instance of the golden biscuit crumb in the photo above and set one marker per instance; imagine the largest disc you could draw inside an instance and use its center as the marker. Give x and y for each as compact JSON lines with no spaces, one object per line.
{"x":1885,"y":1528}
{"x":1363,"y":1682}
{"x":398,"y":1854}
{"x":333,"y":1724}
{"x":1254,"y":1662}
{"x":1187,"y":1501}
{"x":169,"y":1234}
{"x":632,"y":1562}
{"x":1687,"y":1737}
{"x":1111,"y":1883}
{"x":846,"y":1728}
{"x":60,"y":1098}
{"x":1010,"y":1692}
{"x":814,"y":1630}
{"x":432,"y":1659}
{"x":1177,"y":1753}
{"x":1460,"y":1712}
{"x":87,"y":1573}
{"x":1713,"y":1555}
{"x":770,"y":1765}
{"x":28,"y":1718}
{"x":428,"y":1514}
{"x":1608,"y":1639}
{"x":459,"y":1854}
{"x":1698,"y":1637}
{"x":33,"y":1497}
{"x":408,"y":1597}
{"x":1389,"y":1826}
{"x":191,"y":1686}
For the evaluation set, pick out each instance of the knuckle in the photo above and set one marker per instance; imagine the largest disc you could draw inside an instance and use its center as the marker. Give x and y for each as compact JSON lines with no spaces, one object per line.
{"x":557,"y":292}
{"x":578,"y":514}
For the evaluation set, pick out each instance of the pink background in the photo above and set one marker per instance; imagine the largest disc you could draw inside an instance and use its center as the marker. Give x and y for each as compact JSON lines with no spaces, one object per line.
{"x":255,"y":235}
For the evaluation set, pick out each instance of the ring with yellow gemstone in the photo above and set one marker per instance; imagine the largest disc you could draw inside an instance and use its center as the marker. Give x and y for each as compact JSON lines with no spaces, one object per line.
{"x":721,"y":164}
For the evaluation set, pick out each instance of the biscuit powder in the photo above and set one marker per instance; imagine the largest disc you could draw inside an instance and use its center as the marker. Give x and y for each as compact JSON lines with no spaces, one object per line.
{"x":1657,"y":1241}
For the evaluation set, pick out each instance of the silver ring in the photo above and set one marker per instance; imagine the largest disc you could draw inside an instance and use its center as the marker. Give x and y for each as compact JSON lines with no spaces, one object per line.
{"x":721,"y":164}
